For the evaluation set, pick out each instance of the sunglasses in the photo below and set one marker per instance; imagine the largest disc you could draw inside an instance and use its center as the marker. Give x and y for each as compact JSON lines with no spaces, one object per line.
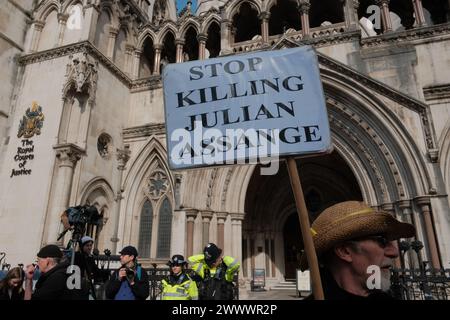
{"x":380,"y":239}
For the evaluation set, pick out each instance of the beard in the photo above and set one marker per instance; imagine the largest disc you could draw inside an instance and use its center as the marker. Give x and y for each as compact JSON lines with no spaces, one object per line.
{"x":385,"y":281}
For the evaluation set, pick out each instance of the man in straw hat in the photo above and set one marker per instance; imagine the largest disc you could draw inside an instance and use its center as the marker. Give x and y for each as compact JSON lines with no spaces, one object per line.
{"x":351,"y":241}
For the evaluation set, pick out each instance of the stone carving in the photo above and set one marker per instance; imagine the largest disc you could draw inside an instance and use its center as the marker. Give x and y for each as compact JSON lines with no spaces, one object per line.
{"x":81,"y":75}
{"x":157,"y":184}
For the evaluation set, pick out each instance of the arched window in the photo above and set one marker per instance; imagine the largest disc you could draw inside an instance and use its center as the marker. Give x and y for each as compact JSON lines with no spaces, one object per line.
{"x":73,"y":30}
{"x":164,"y":229}
{"x":145,"y":230}
{"x":323,"y":13}
{"x":191,"y":45}
{"x":168,"y":53}
{"x":102,"y":31}
{"x":436,"y":10}
{"x":213,"y":42}
{"x":119,"y":49}
{"x":147,"y":59}
{"x":283,"y":16}
{"x":246,"y":23}
{"x":402,"y":15}
{"x":48,"y":33}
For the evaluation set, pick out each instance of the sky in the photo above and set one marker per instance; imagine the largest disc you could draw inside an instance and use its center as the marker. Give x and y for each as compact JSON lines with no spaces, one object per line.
{"x":182,"y":3}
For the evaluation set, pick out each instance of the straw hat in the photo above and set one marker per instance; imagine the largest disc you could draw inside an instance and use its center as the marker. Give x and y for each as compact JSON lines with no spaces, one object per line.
{"x":350,"y":220}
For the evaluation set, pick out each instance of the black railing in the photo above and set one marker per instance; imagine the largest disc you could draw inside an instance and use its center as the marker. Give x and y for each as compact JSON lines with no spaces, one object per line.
{"x":421,"y":284}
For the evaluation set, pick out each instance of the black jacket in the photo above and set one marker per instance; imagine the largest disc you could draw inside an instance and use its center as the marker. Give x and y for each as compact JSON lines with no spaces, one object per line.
{"x":52,"y":285}
{"x":332,"y":291}
{"x":90,"y":274}
{"x":87,"y":266}
{"x":16,"y":294}
{"x":140,"y":289}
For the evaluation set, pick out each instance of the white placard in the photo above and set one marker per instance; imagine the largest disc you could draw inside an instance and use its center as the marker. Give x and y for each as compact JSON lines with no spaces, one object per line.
{"x":303,"y":281}
{"x":262,"y":105}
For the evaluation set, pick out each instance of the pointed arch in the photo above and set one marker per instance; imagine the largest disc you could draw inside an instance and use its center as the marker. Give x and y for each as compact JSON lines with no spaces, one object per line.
{"x":45,"y":10}
{"x":191,"y":45}
{"x":283,"y":16}
{"x":65,"y":6}
{"x":245,"y":20}
{"x":168,"y":27}
{"x":189,"y":23}
{"x":146,"y":33}
{"x":99,"y":193}
{"x":149,"y":165}
{"x":210,"y":19}
{"x":48,"y":35}
{"x":231,"y":7}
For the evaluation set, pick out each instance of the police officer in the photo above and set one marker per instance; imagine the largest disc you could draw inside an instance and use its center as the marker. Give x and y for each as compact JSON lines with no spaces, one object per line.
{"x":214,"y":273}
{"x":179,"y":286}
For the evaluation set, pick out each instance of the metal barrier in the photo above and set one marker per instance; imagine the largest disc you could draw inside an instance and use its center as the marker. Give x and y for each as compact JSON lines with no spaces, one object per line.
{"x":421,"y":284}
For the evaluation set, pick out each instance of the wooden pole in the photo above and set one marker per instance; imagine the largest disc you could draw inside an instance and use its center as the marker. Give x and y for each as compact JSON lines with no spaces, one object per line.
{"x":305,"y":228}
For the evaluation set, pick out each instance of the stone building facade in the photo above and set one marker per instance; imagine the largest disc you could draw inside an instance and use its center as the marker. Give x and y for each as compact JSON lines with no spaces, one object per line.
{"x":82,"y":121}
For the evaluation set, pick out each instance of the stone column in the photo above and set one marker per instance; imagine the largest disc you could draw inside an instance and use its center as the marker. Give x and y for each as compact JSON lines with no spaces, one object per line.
{"x":206,"y":219}
{"x":418,"y":12}
{"x":264,"y":17}
{"x":225,"y":35}
{"x":37,"y":31}
{"x":221,"y":217}
{"x":156,"y":65}
{"x":122,"y":158}
{"x":202,"y":38}
{"x":304,"y":7}
{"x":67,"y":155}
{"x":128,"y":64}
{"x":236,"y":227}
{"x":351,"y":14}
{"x":385,"y":16}
{"x":62,"y":20}
{"x":179,"y":54}
{"x":191,"y":214}
{"x":424,"y":205}
{"x":411,"y":259}
{"x":136,"y":63}
{"x":113,"y":32}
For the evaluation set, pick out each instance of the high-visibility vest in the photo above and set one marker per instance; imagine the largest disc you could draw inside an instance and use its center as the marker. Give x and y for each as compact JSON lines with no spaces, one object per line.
{"x":199,"y":266}
{"x":183,"y":289}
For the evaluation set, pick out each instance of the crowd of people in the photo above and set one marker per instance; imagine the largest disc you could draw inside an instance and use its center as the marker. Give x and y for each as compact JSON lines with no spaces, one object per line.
{"x":348,"y":237}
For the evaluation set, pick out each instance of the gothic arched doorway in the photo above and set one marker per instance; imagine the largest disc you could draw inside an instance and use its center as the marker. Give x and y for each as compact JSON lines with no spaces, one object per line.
{"x":271,"y":221}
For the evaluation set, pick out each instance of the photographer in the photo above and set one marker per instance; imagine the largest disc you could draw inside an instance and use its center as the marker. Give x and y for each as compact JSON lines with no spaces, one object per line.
{"x":89,"y":270}
{"x":130,"y":282}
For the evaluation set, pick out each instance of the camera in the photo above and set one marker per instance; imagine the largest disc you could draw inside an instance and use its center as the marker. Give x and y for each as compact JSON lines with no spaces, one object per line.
{"x":130,"y":273}
{"x":77,"y":217}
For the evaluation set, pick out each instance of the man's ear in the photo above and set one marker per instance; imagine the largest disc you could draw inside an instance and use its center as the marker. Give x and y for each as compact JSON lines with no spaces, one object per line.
{"x":344,"y":252}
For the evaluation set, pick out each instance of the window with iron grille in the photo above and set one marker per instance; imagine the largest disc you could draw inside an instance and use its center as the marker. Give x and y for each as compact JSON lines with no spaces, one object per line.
{"x":145,"y":230}
{"x":164,"y":229}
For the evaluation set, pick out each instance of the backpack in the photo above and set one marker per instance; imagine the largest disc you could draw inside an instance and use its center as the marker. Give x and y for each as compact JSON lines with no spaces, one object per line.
{"x":216,"y":287}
